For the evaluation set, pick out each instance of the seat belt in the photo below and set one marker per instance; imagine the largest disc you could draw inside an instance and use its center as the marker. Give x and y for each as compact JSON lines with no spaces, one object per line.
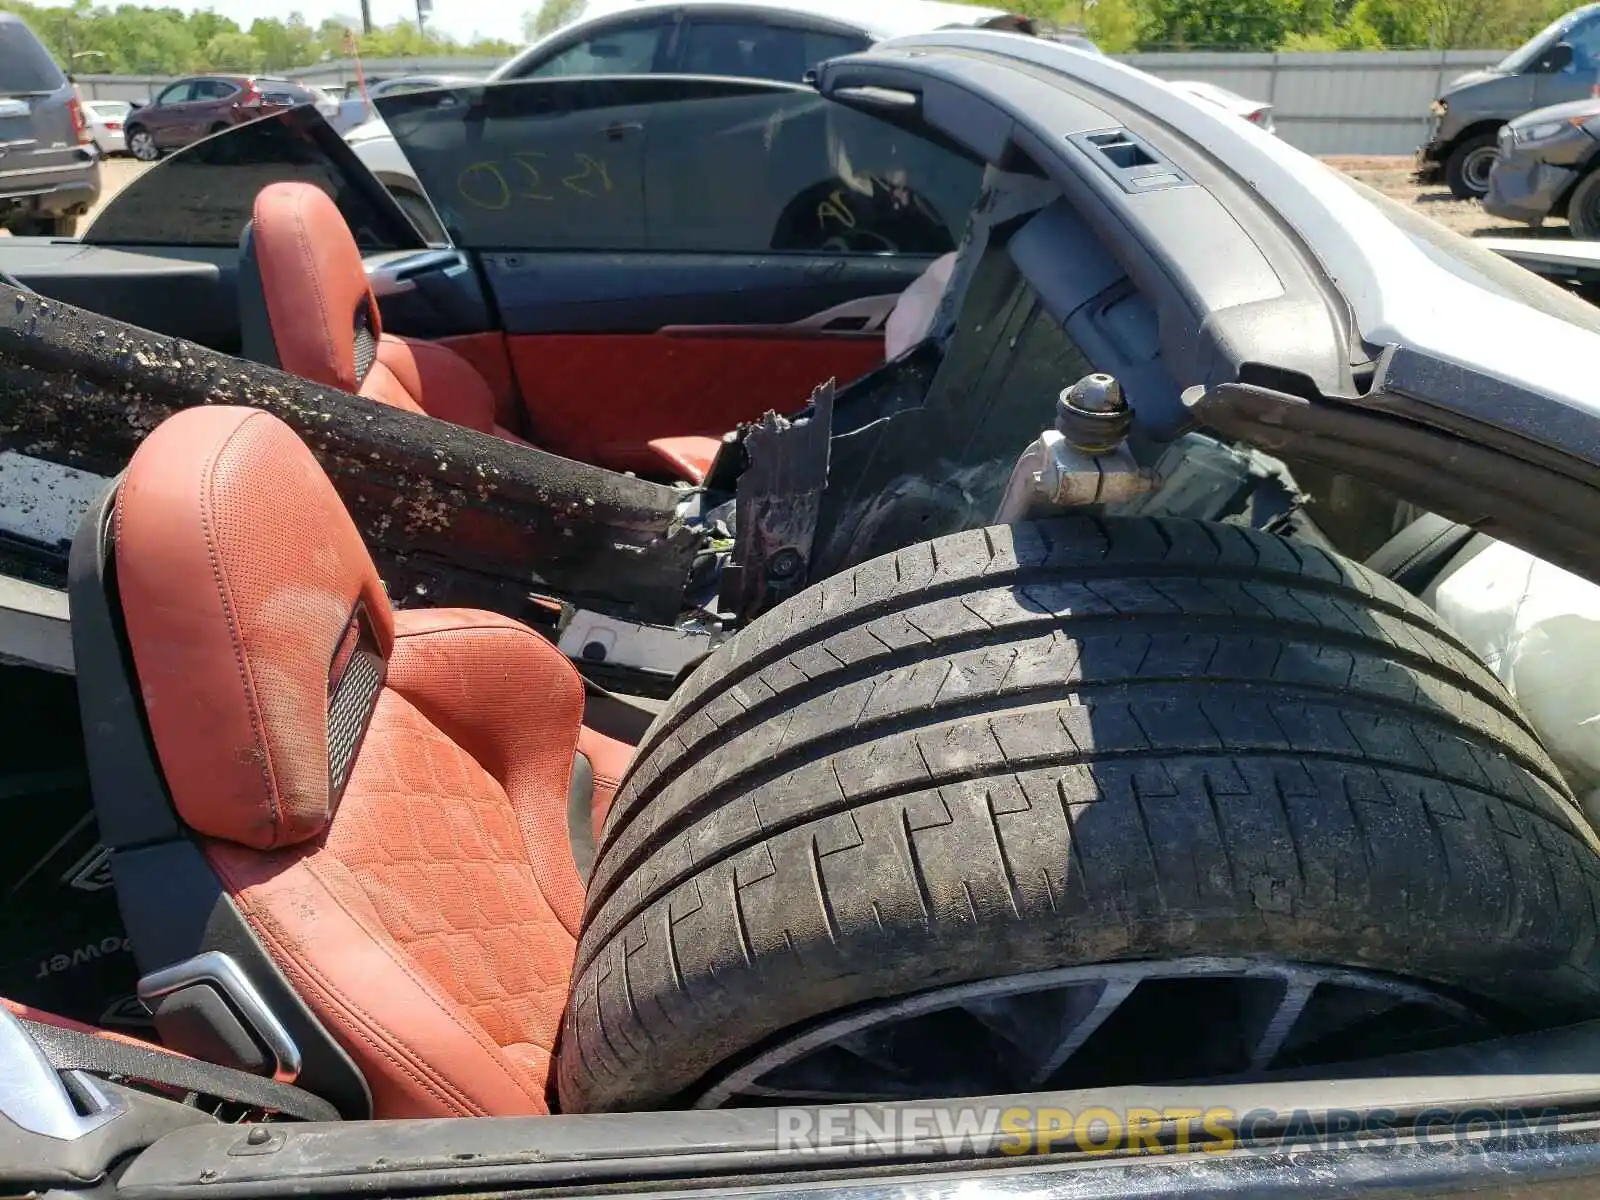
{"x":70,"y":1050}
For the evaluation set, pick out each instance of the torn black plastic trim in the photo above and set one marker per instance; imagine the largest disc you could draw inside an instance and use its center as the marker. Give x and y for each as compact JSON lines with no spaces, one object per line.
{"x":780,"y":500}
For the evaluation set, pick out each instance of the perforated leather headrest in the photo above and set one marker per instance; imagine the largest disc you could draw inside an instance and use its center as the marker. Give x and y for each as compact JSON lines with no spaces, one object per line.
{"x":323,"y":316}
{"x":257,"y":621}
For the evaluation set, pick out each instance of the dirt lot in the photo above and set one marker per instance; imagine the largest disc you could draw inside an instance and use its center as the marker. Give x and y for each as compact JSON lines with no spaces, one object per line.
{"x":1392,"y":177}
{"x":1389,"y":175}
{"x":115,"y":174}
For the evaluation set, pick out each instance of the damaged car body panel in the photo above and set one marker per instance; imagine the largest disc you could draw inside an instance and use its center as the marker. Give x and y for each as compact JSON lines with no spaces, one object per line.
{"x":1103,"y":239}
{"x":1202,"y":282}
{"x":1252,"y":282}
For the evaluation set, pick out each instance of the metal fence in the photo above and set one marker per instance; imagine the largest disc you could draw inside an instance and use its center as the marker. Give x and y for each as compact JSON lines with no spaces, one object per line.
{"x":1369,"y":102}
{"x":1354,"y":103}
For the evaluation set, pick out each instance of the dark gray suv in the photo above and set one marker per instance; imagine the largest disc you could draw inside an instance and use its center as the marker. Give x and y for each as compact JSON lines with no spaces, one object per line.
{"x":49,"y":168}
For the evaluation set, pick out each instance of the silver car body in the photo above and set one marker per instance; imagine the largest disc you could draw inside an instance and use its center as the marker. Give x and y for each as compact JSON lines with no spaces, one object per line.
{"x":1257,"y":112}
{"x":1542,"y":155}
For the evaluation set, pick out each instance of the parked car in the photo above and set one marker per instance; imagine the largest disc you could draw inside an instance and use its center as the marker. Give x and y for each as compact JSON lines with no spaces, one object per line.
{"x":1255,"y":111}
{"x":189,"y":109}
{"x":1546,"y":166}
{"x":1076,"y":40}
{"x":356,"y":109}
{"x":107,"y":119}
{"x":1559,"y":64}
{"x":760,"y":39}
{"x":49,"y":169}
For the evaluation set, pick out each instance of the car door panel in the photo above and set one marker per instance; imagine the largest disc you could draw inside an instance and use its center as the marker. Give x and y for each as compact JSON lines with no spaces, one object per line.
{"x":669,"y":293}
{"x":603,"y":397}
{"x":165,"y":112}
{"x":683,"y":344}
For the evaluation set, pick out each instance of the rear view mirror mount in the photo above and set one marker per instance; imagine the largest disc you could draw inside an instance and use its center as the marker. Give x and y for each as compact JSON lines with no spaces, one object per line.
{"x":1556,"y":58}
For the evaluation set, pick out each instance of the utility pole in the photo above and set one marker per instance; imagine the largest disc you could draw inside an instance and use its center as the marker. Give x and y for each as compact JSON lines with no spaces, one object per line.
{"x":424,"y":8}
{"x":366,"y":16}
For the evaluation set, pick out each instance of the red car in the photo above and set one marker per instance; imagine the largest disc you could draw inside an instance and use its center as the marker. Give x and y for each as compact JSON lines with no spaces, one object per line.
{"x":189,"y":109}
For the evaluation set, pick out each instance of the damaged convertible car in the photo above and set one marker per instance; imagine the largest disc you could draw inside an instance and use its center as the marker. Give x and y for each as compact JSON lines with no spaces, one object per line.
{"x":844,"y":595}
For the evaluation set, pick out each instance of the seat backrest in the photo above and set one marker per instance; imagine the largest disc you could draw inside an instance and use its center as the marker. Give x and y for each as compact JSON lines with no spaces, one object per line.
{"x":243,"y":618}
{"x":302,"y":264}
{"x":383,"y":797}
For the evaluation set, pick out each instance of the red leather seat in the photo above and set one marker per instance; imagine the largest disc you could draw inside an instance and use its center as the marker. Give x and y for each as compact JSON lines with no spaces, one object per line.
{"x":383,"y":795}
{"x":323,"y":324}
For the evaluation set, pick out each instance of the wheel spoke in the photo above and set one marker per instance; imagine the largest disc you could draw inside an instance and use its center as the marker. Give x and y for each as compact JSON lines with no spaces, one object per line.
{"x":1296,"y":995}
{"x":1072,"y":1039}
{"x":1229,"y":1017}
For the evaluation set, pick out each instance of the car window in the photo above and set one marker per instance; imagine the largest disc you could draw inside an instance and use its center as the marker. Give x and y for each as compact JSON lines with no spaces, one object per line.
{"x":178,"y":93}
{"x":398,"y":86}
{"x":820,"y":47}
{"x":214,"y":89}
{"x":203,"y":195}
{"x":25,"y":65}
{"x":628,"y":50}
{"x":1584,"y":38}
{"x":1520,"y":59}
{"x":756,"y":50}
{"x":670,"y":164}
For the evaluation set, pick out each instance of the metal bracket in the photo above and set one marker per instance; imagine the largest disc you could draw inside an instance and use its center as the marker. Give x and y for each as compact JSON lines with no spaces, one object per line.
{"x":34,"y":1096}
{"x":1051,"y":475}
{"x":217,"y":970}
{"x":1083,"y":460}
{"x":591,"y":637}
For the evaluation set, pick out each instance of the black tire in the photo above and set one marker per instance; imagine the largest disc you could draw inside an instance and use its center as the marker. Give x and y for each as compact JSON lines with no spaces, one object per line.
{"x":60,"y":227}
{"x":1583,"y":208}
{"x":1287,"y":758}
{"x":142,"y":145}
{"x":1466,"y":170}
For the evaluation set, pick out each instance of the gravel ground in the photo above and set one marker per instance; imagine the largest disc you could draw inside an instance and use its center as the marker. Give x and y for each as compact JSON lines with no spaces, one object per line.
{"x":1390,"y":175}
{"x":115,"y":174}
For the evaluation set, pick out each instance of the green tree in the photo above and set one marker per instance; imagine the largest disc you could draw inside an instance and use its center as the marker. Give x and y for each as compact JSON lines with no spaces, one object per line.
{"x":550,"y":16}
{"x":284,"y":44}
{"x":1113,"y":25}
{"x":234,"y":51}
{"x":1398,"y":24}
{"x":1220,"y":24}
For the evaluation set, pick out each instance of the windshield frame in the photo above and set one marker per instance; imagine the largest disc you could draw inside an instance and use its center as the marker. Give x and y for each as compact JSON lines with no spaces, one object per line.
{"x":1525,"y":55}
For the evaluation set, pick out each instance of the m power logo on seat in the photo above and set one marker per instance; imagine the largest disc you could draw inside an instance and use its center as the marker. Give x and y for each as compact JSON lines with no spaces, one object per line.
{"x":92,"y":872}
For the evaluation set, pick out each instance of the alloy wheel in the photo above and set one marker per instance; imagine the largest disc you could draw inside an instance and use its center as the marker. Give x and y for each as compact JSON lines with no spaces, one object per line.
{"x":1100,"y":1026}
